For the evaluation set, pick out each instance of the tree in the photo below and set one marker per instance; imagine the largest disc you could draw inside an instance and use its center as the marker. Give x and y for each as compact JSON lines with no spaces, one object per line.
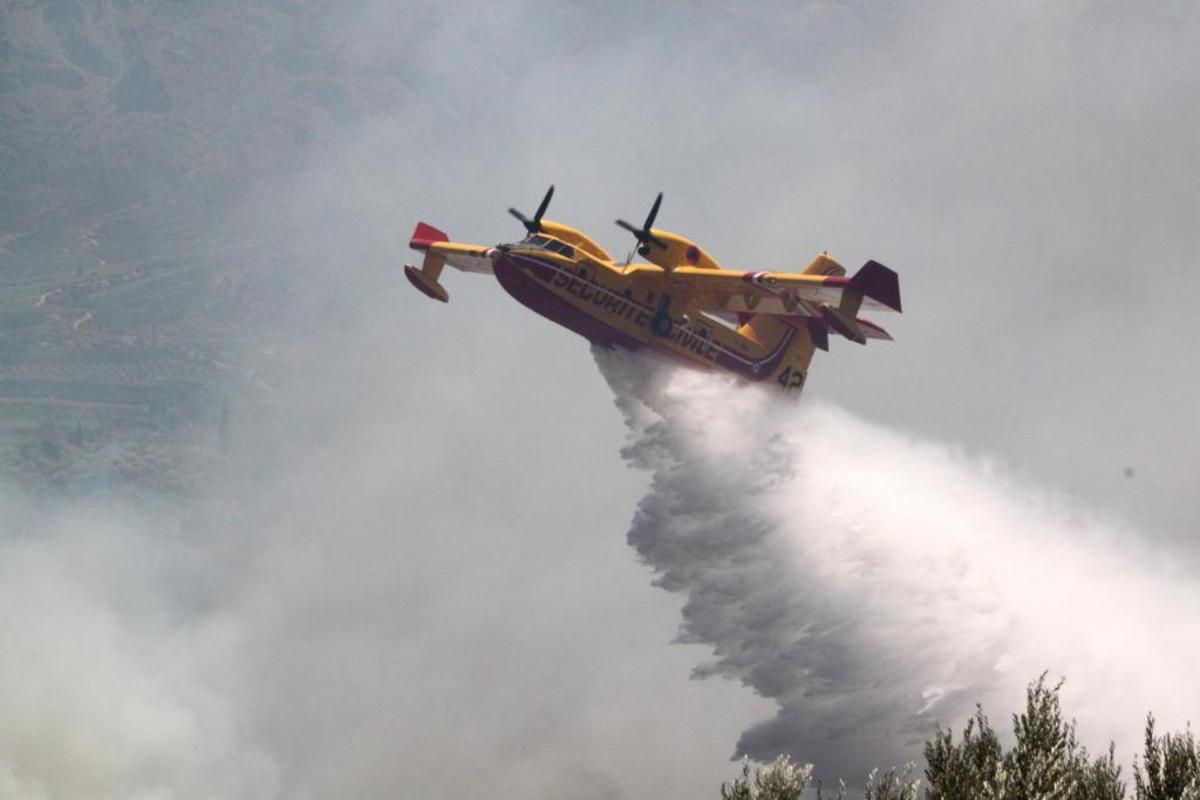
{"x":1171,"y":767}
{"x":782,"y":779}
{"x":1045,"y":763}
{"x":970,"y":769}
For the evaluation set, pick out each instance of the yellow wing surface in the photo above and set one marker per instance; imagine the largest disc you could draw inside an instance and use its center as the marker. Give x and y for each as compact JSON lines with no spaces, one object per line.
{"x":822,"y":292}
{"x":786,"y":293}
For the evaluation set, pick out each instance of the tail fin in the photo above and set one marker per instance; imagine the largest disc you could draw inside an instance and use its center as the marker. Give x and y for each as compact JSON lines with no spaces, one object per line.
{"x":425,"y":235}
{"x":874,"y":281}
{"x":426,"y":278}
{"x":877,"y":282}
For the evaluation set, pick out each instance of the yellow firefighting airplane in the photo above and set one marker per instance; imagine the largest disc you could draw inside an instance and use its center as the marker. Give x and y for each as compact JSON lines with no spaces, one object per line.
{"x":758,"y":325}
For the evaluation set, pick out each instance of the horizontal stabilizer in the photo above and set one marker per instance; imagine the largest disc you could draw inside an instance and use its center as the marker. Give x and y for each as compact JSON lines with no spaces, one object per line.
{"x":818,"y":329}
{"x":426,"y":235}
{"x":846,"y":326}
{"x":873,"y":331}
{"x":426,"y":283}
{"x":877,"y":282}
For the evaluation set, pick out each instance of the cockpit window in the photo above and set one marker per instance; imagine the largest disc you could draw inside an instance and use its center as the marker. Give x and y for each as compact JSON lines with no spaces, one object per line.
{"x":539,"y":242}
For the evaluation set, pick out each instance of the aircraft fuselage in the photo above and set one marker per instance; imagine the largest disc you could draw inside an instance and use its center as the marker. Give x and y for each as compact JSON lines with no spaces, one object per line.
{"x":594,"y":300}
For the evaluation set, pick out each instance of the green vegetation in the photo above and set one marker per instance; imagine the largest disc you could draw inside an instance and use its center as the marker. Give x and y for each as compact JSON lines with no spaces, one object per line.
{"x":1045,"y":762}
{"x":783,"y":779}
{"x":1170,"y":767}
{"x":116,"y":371}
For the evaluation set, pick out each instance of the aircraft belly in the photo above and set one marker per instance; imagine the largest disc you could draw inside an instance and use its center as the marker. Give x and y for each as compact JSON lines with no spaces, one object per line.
{"x":582,"y":298}
{"x":558,"y":295}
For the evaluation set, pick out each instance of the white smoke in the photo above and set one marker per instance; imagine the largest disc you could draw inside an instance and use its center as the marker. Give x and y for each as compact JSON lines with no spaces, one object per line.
{"x":875,"y":585}
{"x":326,"y":635}
{"x":112,"y":684}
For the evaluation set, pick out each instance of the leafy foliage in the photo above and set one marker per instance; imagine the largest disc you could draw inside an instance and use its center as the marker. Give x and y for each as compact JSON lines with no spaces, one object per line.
{"x":969,"y":769}
{"x":1046,"y":762}
{"x":1171,"y":768}
{"x":782,"y":779}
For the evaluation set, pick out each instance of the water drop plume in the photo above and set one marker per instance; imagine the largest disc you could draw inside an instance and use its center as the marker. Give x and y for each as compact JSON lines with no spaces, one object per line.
{"x":876,"y":585}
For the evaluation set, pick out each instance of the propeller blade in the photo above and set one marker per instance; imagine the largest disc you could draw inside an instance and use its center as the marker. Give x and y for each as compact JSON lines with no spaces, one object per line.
{"x":534,"y":225}
{"x":545,"y":202}
{"x":653,"y":213}
{"x":643,"y":234}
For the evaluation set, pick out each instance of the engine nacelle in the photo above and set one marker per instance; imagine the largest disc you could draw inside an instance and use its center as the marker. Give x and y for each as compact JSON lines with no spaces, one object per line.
{"x":679,"y":252}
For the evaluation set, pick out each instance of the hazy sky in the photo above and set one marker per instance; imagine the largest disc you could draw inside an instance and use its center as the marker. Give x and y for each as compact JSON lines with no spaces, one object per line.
{"x":1027,"y":170}
{"x":427,"y":589}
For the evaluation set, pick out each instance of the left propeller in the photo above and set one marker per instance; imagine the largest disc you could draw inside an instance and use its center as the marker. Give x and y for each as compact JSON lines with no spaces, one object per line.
{"x":534,"y":225}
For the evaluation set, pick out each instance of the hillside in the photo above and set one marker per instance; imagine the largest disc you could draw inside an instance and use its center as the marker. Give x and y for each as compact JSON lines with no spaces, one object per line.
{"x":134,"y":313}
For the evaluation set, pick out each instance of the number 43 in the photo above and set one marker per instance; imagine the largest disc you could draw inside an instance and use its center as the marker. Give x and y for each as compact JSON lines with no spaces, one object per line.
{"x":791,"y":379}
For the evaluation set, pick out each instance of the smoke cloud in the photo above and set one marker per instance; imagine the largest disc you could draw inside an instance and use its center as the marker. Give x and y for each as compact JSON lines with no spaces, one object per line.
{"x":411,"y":579}
{"x":875,"y":585}
{"x":293,"y":640}
{"x":113,"y":681}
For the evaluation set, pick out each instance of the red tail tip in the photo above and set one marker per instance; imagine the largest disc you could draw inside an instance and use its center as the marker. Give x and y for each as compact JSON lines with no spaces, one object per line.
{"x":425,"y":235}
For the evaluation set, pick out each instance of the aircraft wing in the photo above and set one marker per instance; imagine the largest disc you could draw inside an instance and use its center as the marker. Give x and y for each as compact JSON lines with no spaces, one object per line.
{"x":817,"y":302}
{"x":786,"y":293}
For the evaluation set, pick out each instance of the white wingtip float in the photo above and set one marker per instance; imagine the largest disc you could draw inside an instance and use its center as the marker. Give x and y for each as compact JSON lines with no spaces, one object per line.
{"x":759,"y":325}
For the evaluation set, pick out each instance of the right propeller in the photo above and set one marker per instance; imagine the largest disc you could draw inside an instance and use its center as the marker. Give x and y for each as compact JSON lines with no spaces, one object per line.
{"x":534,"y":225}
{"x":643,"y":234}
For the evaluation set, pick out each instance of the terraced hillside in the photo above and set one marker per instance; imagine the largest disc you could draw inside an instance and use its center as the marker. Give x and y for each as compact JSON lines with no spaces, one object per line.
{"x":126,"y":300}
{"x":110,"y":366}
